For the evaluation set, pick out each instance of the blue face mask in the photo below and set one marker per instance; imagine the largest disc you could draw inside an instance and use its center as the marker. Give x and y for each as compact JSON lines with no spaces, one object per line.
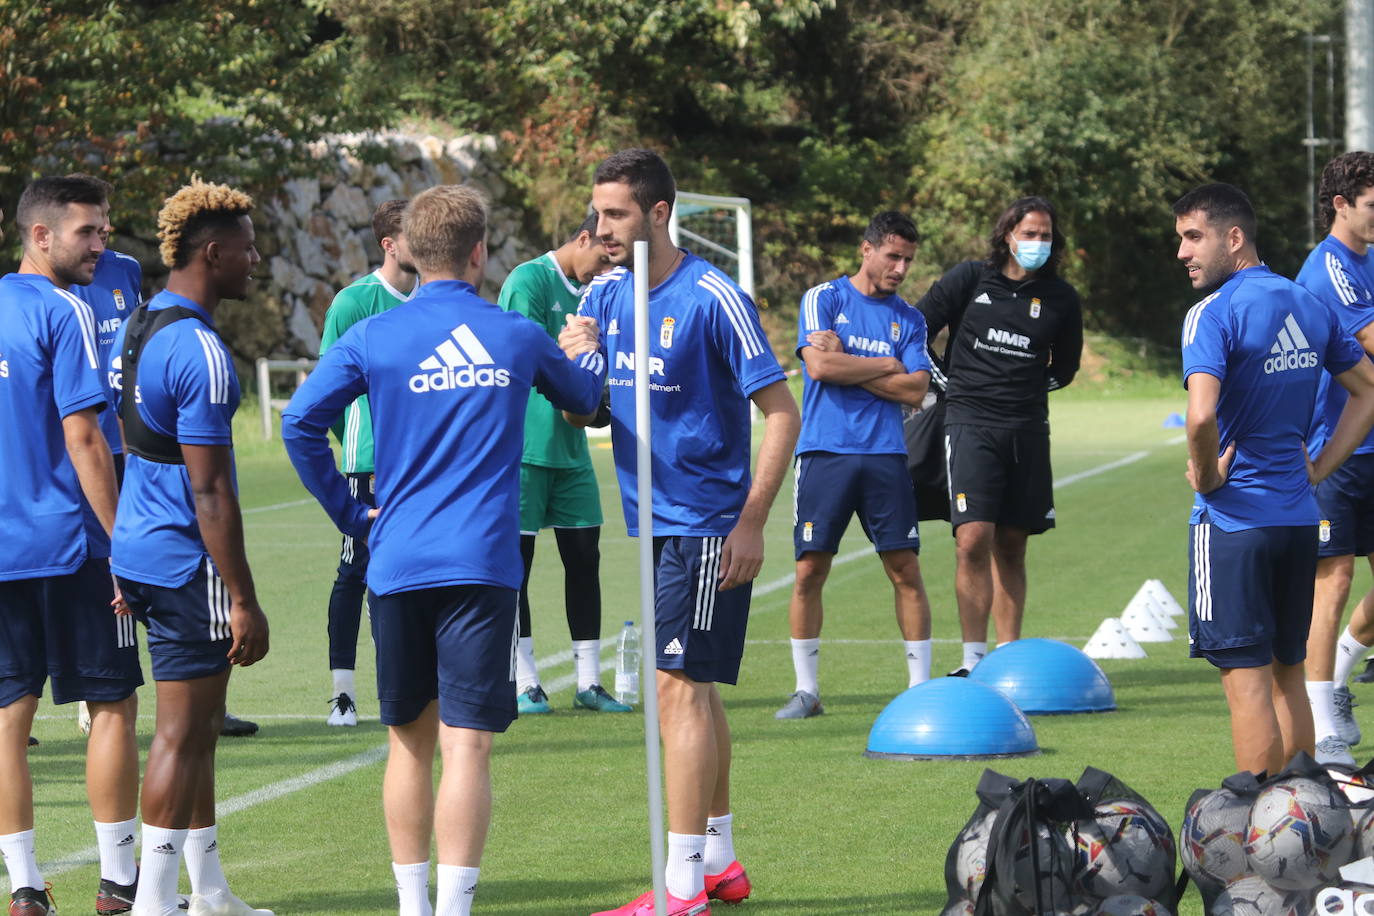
{"x":1032,"y":255}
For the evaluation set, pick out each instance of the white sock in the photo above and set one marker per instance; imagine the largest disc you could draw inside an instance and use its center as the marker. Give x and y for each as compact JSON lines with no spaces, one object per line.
{"x":686,"y":871}
{"x":202,"y":861}
{"x":917,"y":661}
{"x":17,"y":849}
{"x":343,"y":682}
{"x":973,"y":654}
{"x":720,"y":844}
{"x":117,"y":846}
{"x":159,"y":867}
{"x":587,"y":658}
{"x":806,"y":659}
{"x":1323,"y":709}
{"x":1349,"y":652}
{"x":412,"y":886}
{"x":457,"y":887}
{"x":526,"y":674}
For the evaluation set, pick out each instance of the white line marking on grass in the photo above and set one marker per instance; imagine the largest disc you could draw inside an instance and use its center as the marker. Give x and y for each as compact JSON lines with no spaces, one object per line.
{"x":276,"y":506}
{"x":1176,"y":440}
{"x":270,"y":792}
{"x":1132,"y":458}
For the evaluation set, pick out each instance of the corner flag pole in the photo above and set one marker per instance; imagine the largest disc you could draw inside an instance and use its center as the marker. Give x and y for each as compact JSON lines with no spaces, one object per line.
{"x":649,"y":644}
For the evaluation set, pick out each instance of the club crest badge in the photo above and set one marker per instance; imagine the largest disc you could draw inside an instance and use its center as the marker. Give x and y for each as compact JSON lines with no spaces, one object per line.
{"x":119,"y":300}
{"x":808,"y":532}
{"x":1324,"y":532}
{"x":665,"y":333}
{"x":1035,"y":308}
{"x":961,"y":502}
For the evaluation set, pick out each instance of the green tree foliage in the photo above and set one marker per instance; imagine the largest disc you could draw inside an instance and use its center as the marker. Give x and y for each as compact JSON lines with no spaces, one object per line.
{"x":87,"y":86}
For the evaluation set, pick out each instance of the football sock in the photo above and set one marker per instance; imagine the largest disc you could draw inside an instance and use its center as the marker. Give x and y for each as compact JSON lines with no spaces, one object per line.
{"x":117,"y":847}
{"x":1349,"y":652}
{"x":917,"y":662}
{"x":1323,"y":709}
{"x":159,"y":867}
{"x":526,"y":674}
{"x":344,"y":682}
{"x":17,"y":849}
{"x":587,"y":658}
{"x":973,"y":653}
{"x":720,"y":844}
{"x":686,"y":871}
{"x":412,"y":887}
{"x":806,"y":659}
{"x":457,"y":887}
{"x":202,"y":861}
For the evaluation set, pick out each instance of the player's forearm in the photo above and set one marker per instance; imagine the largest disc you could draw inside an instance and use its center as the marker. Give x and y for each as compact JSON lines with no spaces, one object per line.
{"x":781,"y":426}
{"x":221,"y":528}
{"x":1354,"y":424}
{"x":848,"y":369}
{"x":308,"y":449}
{"x":1204,"y":445}
{"x":907,"y":388}
{"x":90,"y":457}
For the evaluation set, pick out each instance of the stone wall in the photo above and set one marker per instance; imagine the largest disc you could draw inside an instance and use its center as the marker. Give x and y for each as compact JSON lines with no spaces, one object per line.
{"x":315,"y":235}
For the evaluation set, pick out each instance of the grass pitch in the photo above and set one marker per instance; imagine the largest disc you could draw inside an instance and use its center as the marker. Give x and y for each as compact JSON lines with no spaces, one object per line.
{"x":820,"y":828}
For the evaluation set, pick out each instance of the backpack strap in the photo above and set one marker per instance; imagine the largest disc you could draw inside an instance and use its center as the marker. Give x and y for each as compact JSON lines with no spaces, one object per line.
{"x":139,"y":438}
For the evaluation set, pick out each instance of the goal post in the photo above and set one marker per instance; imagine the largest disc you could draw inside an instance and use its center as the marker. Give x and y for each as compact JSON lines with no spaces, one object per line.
{"x":719,"y":229}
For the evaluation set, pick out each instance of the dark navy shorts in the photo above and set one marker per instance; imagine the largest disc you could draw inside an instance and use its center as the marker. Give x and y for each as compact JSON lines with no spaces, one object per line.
{"x":698,"y":627}
{"x":63,"y":628}
{"x":829,"y":488}
{"x":454,"y":643}
{"x":1250,"y":594}
{"x":188,"y":626}
{"x":1346,"y":499}
{"x":353,"y":553}
{"x":999,"y":475}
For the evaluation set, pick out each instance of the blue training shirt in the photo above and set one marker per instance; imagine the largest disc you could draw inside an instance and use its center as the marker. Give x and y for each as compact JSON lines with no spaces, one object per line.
{"x":1267,"y":339}
{"x":447,"y":376}
{"x":1344,"y":282}
{"x":188,"y":390}
{"x":113,"y":294}
{"x":49,"y":369}
{"x":708,"y":353}
{"x":846,"y":419}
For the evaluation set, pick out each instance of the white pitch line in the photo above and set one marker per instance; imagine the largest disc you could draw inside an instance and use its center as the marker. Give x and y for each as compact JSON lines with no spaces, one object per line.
{"x":270,"y":792}
{"x":1132,"y":458}
{"x":275,"y":506}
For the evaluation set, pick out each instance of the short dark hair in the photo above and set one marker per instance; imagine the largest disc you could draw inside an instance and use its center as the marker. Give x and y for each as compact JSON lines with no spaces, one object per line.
{"x":646,"y":173}
{"x":1347,"y":175}
{"x":890,"y":222}
{"x":1224,"y":204}
{"x":105,"y":187}
{"x":999,"y":252}
{"x":44,"y":198}
{"x":386,"y":219}
{"x":588,"y":226}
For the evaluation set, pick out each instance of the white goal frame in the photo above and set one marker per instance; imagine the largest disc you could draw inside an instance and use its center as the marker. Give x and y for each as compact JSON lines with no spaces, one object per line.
{"x":743,"y":255}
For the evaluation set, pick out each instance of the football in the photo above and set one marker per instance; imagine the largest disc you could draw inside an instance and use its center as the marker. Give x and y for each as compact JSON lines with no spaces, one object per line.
{"x":1212,"y":839}
{"x":1131,"y":905}
{"x":971,"y":858}
{"x":1055,"y":876}
{"x":1127,"y":850}
{"x":1300,"y":834}
{"x":1253,"y":896}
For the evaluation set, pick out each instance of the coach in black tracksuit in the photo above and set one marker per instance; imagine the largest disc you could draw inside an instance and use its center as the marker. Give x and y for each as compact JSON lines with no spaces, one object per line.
{"x":1015,"y":334}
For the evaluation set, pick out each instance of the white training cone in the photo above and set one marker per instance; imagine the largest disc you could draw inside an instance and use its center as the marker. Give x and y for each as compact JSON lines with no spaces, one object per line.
{"x":1112,"y":641}
{"x":1142,"y":622}
{"x":1145,"y":603}
{"x":1163,"y":598}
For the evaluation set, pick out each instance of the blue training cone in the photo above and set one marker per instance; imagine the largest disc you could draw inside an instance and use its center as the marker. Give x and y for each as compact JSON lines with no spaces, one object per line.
{"x":951,"y":717}
{"x":1173,"y":421}
{"x":1046,"y":677}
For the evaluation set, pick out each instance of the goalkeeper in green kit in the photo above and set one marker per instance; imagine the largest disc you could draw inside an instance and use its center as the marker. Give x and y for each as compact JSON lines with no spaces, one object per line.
{"x":558,"y":487}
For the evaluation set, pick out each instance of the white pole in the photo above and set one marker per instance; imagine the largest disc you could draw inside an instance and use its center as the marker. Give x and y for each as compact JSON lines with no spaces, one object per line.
{"x":265,"y":396}
{"x":649,"y":644}
{"x":1359,"y":75}
{"x":744,"y":244}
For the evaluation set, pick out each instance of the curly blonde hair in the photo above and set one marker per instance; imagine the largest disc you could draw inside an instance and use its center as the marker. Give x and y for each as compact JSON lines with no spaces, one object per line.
{"x":191,"y":213}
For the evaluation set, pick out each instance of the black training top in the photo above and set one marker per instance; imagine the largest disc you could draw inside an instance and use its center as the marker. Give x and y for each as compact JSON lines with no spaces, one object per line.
{"x":1010,"y":344}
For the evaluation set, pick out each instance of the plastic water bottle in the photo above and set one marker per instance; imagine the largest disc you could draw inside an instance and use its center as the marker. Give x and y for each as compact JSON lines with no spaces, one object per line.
{"x":627,"y":664}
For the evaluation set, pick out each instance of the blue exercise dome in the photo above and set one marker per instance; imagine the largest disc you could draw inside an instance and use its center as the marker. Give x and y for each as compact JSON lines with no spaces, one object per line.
{"x":1046,"y":677}
{"x":951,"y":717}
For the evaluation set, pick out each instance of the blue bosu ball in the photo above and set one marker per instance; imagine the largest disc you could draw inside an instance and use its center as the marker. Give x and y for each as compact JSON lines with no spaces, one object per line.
{"x":1046,"y":677}
{"x":951,"y":717}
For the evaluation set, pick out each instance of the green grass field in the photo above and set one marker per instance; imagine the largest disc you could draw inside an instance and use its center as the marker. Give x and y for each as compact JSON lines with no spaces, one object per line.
{"x":820,"y":828}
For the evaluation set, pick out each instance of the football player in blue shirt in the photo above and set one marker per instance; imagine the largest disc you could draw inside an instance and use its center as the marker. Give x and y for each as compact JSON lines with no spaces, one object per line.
{"x":447,"y":376}
{"x":56,"y":593}
{"x":178,"y":539}
{"x":1339,"y":273}
{"x":864,"y":349}
{"x":709,"y":358}
{"x":1253,"y":352}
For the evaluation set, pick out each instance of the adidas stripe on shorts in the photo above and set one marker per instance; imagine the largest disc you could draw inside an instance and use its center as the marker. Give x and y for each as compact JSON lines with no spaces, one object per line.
{"x":699,"y":628}
{"x":1250,"y":594}
{"x":830,"y":488}
{"x":188,"y":626}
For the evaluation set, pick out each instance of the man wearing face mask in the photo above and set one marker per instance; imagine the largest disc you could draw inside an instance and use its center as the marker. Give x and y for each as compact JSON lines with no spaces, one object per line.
{"x":1015,"y":334}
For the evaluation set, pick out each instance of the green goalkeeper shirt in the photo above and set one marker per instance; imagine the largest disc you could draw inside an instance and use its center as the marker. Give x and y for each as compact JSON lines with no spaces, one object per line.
{"x":541,"y":292}
{"x":363,"y":298}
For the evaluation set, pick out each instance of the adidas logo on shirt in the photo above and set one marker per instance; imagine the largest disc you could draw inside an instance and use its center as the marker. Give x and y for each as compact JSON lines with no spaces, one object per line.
{"x":841,"y":319}
{"x":459,"y":362}
{"x":1291,"y":350}
{"x":673,"y":648}
{"x":613,"y":328}
{"x":983,"y":299}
